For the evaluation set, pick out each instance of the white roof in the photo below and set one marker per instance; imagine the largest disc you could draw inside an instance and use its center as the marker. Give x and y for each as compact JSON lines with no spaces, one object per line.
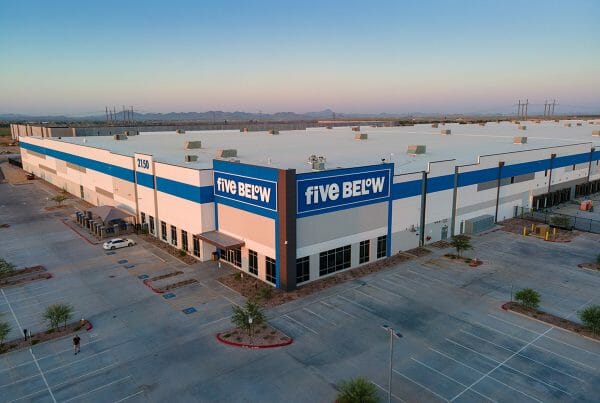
{"x":291,"y":149}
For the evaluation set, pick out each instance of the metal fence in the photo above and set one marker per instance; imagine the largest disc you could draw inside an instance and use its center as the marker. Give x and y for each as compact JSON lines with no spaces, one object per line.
{"x":567,"y":221}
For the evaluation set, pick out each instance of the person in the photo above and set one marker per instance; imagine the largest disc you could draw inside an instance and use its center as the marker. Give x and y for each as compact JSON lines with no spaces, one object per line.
{"x":76,"y":341}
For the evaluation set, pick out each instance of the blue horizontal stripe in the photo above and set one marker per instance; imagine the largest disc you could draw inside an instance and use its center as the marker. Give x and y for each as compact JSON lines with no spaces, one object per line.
{"x":439,"y":183}
{"x":475,"y":177}
{"x":102,"y":167}
{"x":144,"y":179}
{"x":197,"y":194}
{"x":403,"y":190}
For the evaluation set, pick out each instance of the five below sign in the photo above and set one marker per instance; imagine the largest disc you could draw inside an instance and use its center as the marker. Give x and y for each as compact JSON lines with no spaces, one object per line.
{"x":257,"y":192}
{"x":324,"y":192}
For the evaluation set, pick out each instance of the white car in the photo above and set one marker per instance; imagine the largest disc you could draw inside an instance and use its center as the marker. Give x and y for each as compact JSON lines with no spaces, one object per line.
{"x":118,"y":243}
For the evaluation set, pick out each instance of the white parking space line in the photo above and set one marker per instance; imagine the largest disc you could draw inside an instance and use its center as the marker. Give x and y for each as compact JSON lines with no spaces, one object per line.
{"x":11,"y":311}
{"x":490,"y":376}
{"x":450,"y":378}
{"x":428,"y":277}
{"x":86,"y":374}
{"x":366,"y":308}
{"x":98,"y":388}
{"x":42,"y":374}
{"x":320,"y":316}
{"x":396,"y":284}
{"x":301,"y":324}
{"x":571,"y":345}
{"x":513,"y":324}
{"x":37,"y":392}
{"x":388,"y":291}
{"x":578,"y":309}
{"x":421,"y":385}
{"x":129,"y":397}
{"x":521,"y":355}
{"x":386,"y":392}
{"x":370,"y":296}
{"x":338,"y":309}
{"x":503,"y":364}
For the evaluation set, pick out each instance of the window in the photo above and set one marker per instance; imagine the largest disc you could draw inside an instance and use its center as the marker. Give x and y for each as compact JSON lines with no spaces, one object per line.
{"x":512,"y":179}
{"x":143,"y":218}
{"x":271,"y":271}
{"x":573,"y":167}
{"x":253,"y":262}
{"x":184,"y":240}
{"x":196,"y":246}
{"x":302,"y":269}
{"x":233,"y":256}
{"x":173,"y":235}
{"x":151,"y":224}
{"x":364,"y":248}
{"x":334,"y":260}
{"x":163,"y":230}
{"x":382,"y":246}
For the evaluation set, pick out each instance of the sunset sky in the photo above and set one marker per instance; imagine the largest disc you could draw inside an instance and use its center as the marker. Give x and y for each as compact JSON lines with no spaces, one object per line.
{"x":75,"y":57}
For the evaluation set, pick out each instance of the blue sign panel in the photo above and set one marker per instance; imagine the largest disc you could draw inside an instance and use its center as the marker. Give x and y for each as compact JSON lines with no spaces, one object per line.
{"x":336,"y":190}
{"x":246,"y":190}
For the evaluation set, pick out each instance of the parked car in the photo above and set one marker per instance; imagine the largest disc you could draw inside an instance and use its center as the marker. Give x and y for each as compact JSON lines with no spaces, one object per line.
{"x":118,"y":243}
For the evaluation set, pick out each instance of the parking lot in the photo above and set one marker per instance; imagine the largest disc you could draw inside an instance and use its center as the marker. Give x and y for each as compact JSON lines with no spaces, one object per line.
{"x":457,"y":345}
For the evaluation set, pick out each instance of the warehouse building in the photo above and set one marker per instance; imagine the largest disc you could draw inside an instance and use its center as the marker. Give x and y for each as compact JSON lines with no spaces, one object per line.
{"x":291,"y":207}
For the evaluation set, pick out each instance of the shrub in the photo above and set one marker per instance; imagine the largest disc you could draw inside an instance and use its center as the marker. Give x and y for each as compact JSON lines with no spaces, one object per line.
{"x":6,"y":268}
{"x":241,"y":316}
{"x":59,"y":198}
{"x":590,"y":317}
{"x":460,"y":243}
{"x":56,"y":314}
{"x":4,"y":331}
{"x":182,"y":252}
{"x":358,"y":390}
{"x":265,"y":293}
{"x":528,"y":298}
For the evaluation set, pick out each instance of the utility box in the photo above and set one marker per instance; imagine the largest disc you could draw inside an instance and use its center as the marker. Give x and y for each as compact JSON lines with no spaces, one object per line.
{"x":190,"y":145}
{"x":416,"y":149}
{"x":519,"y":140}
{"x":360,"y":136}
{"x":522,"y":127}
{"x":446,"y":132}
{"x":227,"y":153}
{"x":479,"y":224}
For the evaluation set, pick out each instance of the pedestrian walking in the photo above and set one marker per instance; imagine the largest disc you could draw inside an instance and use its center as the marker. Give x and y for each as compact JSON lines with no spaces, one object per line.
{"x":76,"y":341}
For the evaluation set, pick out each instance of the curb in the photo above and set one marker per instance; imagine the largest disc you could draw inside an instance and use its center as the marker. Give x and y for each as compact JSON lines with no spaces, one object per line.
{"x":88,"y":325}
{"x":155,"y":290}
{"x":242,"y":345}
{"x":81,"y":236}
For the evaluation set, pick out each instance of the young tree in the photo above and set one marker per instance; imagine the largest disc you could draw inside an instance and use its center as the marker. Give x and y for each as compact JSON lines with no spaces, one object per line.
{"x":56,"y":314}
{"x":460,"y":243}
{"x":59,"y":198}
{"x":4,"y":331}
{"x":590,"y":317}
{"x":6,"y":268}
{"x":358,"y":390}
{"x":241,"y":316}
{"x":528,"y":297}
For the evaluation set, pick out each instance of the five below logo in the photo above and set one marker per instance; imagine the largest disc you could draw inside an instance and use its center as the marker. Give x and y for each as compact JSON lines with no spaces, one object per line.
{"x":242,"y":189}
{"x":316,"y":194}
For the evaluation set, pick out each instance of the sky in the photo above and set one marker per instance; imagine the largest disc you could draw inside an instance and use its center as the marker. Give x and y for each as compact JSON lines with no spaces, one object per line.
{"x":433,"y":56}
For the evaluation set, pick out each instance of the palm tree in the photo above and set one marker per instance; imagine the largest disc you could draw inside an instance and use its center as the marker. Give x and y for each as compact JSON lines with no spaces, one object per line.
{"x":358,"y":390}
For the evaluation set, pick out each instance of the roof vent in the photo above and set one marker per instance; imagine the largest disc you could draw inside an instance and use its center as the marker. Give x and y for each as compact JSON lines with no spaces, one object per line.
{"x":329,"y":127}
{"x":416,"y":149}
{"x":120,"y":137}
{"x":131,"y":132}
{"x":180,"y":131}
{"x":356,"y":129}
{"x":578,"y":124}
{"x":522,"y":127}
{"x":360,"y":136}
{"x":434,"y":125}
{"x":446,"y":132}
{"x":519,"y":140}
{"x":273,"y":132}
{"x":191,"y":158}
{"x":317,"y":162}
{"x":567,"y":124}
{"x":190,"y":145}
{"x":227,"y":153}
{"x":596,"y":133}
{"x":482,"y":123}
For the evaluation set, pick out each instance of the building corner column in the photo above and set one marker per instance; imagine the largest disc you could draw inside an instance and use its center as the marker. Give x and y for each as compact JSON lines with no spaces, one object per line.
{"x":286,"y":243}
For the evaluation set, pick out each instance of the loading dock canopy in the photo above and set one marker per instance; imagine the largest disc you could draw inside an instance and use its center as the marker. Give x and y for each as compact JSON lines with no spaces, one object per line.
{"x":109,"y":214}
{"x":220,"y":240}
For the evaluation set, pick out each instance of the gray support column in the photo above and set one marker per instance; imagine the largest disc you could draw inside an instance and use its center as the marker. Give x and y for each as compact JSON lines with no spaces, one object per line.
{"x":423,"y":208}
{"x":552,"y":156}
{"x":454,"y":194}
{"x":590,"y":164}
{"x":286,"y":210}
{"x":498,"y":185}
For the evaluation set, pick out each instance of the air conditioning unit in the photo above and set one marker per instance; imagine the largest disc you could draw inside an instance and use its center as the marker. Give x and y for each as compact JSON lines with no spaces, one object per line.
{"x":273,"y":132}
{"x":190,"y":145}
{"x":227,"y":153}
{"x":317,"y":162}
{"x":190,"y":158}
{"x":180,"y":131}
{"x":120,"y":137}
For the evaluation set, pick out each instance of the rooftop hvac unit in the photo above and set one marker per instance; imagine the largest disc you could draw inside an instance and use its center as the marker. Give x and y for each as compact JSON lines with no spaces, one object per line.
{"x":120,"y":137}
{"x":132,"y":132}
{"x":522,"y":127}
{"x":273,"y":131}
{"x":190,"y":145}
{"x":360,"y":136}
{"x":180,"y":131}
{"x":446,"y":132}
{"x":519,"y":140}
{"x":479,"y":224}
{"x":317,"y":162}
{"x":596,"y":133}
{"x":227,"y":153}
{"x":244,"y":130}
{"x":578,"y":124}
{"x":516,"y":122}
{"x":356,"y":129}
{"x":416,"y":149}
{"x":481,"y":123}
{"x":567,"y":124}
{"x":191,"y":158}
{"x":434,"y":125}
{"x":329,"y":127}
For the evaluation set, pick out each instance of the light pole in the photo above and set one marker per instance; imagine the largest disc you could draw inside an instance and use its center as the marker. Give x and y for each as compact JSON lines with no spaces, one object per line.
{"x":392,"y":334}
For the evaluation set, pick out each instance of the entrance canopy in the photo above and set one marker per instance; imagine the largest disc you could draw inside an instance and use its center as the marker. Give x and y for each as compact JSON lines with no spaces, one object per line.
{"x":220,"y":240}
{"x":111,"y":215}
